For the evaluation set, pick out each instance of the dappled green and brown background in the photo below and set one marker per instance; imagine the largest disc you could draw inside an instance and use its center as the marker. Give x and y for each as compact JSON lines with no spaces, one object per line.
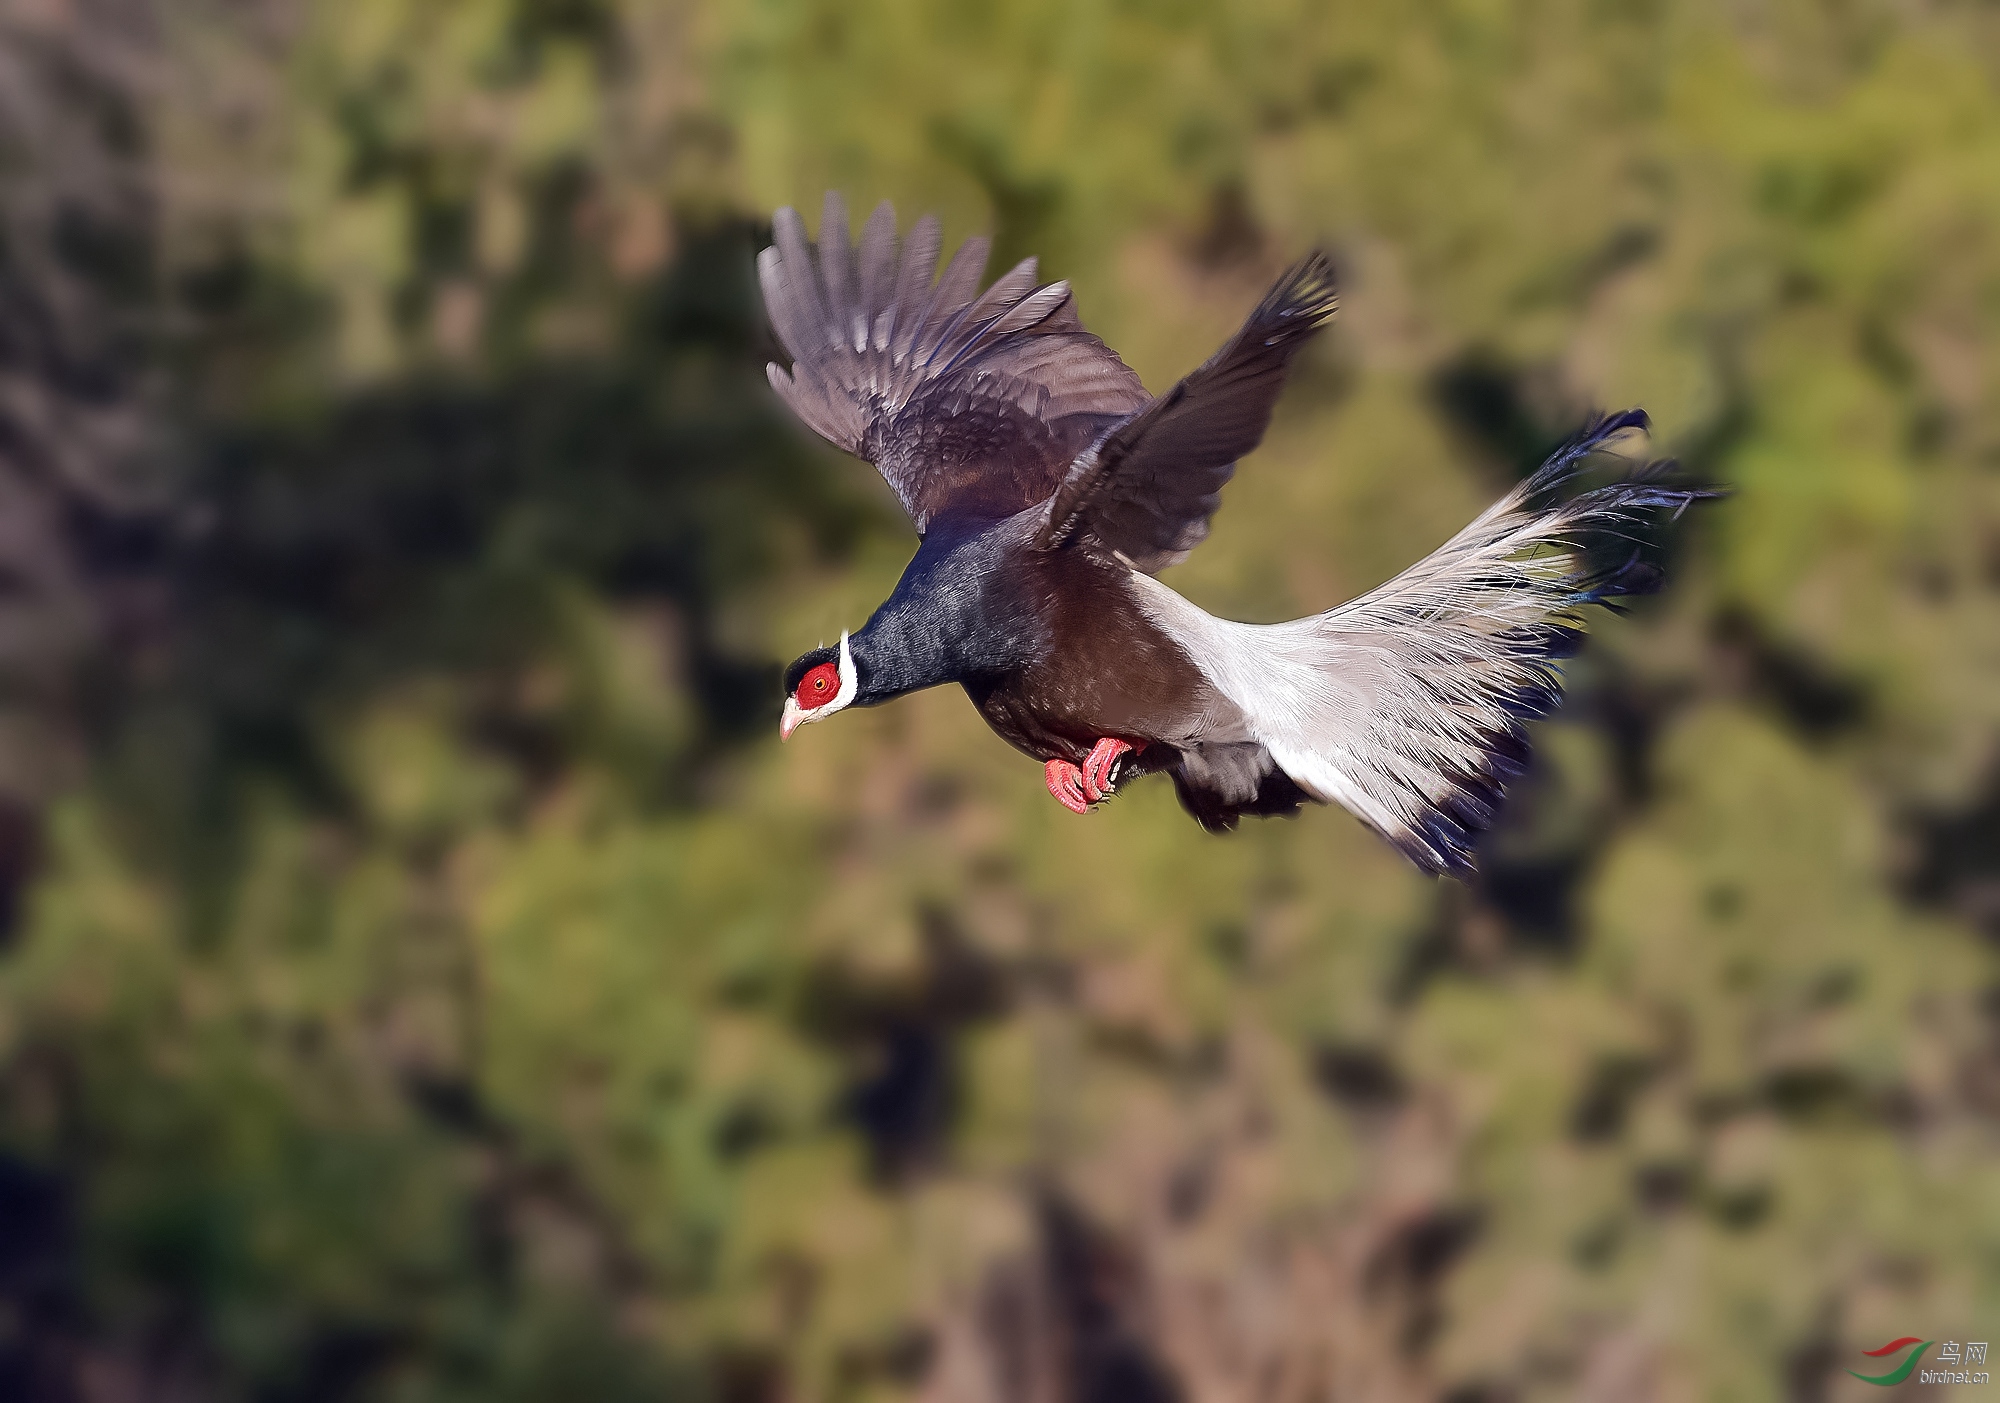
{"x":426,"y":978}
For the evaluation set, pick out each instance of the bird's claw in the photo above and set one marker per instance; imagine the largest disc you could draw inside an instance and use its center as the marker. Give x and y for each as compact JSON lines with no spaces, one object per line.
{"x":1065,"y":782}
{"x":1077,"y":787}
{"x":1098,"y":765}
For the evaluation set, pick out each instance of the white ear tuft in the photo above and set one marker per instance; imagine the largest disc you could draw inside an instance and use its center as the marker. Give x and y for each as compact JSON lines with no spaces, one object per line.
{"x":850,"y":680}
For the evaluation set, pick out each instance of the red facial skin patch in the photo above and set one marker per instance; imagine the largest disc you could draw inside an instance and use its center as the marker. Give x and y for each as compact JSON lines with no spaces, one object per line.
{"x":818,"y":687}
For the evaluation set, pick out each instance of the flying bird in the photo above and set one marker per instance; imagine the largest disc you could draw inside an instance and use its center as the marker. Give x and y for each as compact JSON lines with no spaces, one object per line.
{"x":1048,"y":490}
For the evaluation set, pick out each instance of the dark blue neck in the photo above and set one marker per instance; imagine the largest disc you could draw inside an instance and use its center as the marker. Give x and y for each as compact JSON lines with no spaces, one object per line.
{"x":951,"y":618}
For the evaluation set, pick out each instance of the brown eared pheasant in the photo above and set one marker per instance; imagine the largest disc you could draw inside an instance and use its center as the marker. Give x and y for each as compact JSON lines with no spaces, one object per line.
{"x":1048,"y":490}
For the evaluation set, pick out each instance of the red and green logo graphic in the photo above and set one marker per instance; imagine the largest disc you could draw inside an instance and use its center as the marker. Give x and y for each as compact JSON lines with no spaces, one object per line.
{"x":1901,"y":1371}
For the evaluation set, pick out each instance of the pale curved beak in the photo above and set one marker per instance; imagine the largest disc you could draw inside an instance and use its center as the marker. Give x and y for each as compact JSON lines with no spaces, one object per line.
{"x":791,"y":720}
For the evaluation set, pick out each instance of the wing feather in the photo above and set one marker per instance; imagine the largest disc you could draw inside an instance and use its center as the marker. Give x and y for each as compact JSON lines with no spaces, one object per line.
{"x":787,"y":305}
{"x":1149,"y":488}
{"x":967,"y":401}
{"x":970,"y":329}
{"x":878,"y":273}
{"x":836,"y":270}
{"x":801,"y":282}
{"x":913,"y":282}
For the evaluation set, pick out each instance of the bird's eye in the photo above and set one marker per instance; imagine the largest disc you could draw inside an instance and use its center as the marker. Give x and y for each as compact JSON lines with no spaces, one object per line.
{"x":818,"y":687}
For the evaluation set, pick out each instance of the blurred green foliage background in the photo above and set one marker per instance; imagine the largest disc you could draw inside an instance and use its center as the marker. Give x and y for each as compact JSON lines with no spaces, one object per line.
{"x":425,"y":977}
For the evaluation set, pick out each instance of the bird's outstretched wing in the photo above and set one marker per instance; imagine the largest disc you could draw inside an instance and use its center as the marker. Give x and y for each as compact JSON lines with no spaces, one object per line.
{"x":967,"y":402}
{"x":1149,"y":487}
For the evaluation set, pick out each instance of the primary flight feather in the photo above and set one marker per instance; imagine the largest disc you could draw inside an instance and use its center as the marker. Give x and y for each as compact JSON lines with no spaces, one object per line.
{"x":1048,"y":488}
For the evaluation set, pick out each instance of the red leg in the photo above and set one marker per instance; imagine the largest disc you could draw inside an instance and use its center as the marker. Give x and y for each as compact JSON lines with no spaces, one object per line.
{"x":1098,"y":765}
{"x":1066,"y":784}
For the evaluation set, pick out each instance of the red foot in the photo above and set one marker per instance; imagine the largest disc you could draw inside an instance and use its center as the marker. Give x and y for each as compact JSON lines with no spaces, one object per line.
{"x":1077,"y":788}
{"x":1098,"y":764}
{"x":1066,"y":783}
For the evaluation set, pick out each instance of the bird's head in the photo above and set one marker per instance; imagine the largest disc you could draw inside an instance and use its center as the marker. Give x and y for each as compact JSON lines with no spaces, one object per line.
{"x":817,"y":685}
